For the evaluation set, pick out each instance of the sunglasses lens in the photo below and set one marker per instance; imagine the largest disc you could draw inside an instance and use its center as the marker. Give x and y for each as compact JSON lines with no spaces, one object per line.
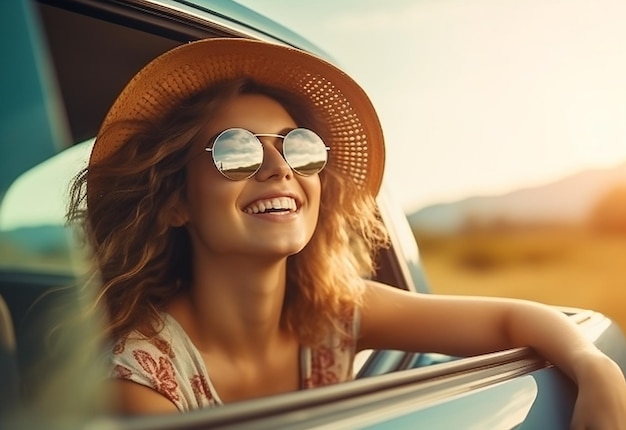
{"x":305,"y":151}
{"x":237,"y":154}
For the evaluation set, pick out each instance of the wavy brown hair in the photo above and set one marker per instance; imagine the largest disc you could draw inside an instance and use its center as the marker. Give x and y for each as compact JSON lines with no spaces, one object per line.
{"x":144,"y":262}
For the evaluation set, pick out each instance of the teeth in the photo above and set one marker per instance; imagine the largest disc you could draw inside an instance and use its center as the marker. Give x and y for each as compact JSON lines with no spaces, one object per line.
{"x":276,"y":203}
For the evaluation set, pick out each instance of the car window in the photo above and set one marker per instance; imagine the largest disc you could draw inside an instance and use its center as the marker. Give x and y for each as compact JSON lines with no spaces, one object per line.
{"x":33,"y":232}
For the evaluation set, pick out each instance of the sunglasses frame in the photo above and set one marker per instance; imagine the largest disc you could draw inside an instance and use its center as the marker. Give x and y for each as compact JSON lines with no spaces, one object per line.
{"x":257,"y":135}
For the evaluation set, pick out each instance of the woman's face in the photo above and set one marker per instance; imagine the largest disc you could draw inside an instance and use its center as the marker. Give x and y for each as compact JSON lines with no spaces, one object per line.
{"x":227,"y":217}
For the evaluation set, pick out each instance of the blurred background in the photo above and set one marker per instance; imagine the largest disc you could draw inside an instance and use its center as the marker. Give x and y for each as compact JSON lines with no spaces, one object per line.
{"x":505,"y":123}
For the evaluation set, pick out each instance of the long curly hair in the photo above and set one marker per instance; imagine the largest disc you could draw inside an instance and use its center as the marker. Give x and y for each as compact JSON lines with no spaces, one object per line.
{"x":143,"y":261}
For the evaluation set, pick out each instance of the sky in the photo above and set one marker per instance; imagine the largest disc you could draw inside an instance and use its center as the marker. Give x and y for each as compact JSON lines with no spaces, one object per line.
{"x":479,"y":97}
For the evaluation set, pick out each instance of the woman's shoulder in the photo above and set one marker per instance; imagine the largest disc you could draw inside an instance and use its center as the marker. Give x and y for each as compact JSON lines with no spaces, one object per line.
{"x":158,"y":337}
{"x":167,"y":362}
{"x":136,"y":355}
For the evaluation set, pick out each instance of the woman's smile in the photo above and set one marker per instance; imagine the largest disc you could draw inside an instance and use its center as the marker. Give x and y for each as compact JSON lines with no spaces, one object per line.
{"x":279,"y":205}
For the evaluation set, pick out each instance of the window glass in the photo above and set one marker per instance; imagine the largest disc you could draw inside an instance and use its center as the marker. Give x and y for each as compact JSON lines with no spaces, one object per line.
{"x":33,"y":234}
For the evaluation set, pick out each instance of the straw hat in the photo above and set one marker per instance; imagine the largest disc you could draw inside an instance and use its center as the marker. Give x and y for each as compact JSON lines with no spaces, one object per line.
{"x":357,"y":146}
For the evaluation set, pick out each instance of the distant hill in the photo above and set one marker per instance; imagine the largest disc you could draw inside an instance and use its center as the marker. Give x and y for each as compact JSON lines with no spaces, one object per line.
{"x":567,"y":200}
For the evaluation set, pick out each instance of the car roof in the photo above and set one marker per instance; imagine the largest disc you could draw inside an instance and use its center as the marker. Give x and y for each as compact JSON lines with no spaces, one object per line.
{"x":257,"y":22}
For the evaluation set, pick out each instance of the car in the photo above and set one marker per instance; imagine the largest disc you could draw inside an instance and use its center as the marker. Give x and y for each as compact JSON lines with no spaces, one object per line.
{"x":65,"y":62}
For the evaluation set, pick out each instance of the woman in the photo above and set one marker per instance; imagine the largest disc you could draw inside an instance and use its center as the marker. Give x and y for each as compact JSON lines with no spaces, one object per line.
{"x":230,"y":207}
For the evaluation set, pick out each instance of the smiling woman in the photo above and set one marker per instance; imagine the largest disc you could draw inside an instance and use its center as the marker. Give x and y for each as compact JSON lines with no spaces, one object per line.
{"x":171,"y":229}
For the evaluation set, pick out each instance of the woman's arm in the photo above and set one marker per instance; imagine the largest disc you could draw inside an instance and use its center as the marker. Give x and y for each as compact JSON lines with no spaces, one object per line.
{"x":130,"y":398}
{"x":466,"y":326}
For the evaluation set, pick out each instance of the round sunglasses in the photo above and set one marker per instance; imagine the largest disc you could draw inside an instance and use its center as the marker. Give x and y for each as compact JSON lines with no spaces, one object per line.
{"x":238,"y":153}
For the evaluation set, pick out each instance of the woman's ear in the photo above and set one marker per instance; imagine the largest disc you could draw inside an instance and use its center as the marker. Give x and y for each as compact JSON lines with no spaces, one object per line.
{"x":177,"y":211}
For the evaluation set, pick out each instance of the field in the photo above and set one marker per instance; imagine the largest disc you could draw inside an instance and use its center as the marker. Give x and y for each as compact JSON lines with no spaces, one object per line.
{"x":562,"y":265}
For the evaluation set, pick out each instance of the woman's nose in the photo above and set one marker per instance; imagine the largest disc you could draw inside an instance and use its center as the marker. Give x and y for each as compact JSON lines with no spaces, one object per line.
{"x":274,"y":165}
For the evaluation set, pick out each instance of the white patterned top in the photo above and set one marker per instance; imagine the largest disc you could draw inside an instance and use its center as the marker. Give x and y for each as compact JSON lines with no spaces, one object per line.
{"x":171,"y":364}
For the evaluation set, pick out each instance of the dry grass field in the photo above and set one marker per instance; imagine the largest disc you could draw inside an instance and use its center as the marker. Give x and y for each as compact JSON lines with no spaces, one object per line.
{"x":568,"y":266}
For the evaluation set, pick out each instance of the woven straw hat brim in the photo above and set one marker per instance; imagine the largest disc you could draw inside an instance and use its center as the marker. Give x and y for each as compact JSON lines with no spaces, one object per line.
{"x":357,"y":145}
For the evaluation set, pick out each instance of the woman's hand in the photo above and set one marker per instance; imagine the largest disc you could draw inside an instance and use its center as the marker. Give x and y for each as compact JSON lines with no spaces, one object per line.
{"x":601,"y":402}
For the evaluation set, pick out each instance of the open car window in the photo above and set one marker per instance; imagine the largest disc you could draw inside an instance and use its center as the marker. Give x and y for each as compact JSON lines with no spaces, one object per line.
{"x":33,"y":232}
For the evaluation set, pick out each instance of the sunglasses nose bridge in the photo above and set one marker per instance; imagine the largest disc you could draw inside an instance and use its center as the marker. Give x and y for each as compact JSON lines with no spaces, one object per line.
{"x":274,"y":162}
{"x":274,"y":140}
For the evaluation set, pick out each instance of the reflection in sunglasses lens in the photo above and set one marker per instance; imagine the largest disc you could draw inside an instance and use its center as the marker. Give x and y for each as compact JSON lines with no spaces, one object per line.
{"x":237,"y":154}
{"x":304,"y":151}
